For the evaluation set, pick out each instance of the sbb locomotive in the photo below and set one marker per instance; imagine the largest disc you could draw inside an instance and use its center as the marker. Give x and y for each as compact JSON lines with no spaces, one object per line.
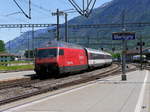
{"x":60,"y":58}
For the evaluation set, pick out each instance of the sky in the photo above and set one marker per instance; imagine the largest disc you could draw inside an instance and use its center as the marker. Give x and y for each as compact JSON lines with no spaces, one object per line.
{"x":41,"y":13}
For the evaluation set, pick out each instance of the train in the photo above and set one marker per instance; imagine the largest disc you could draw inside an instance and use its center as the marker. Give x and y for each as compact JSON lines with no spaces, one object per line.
{"x":58,"y":58}
{"x":137,"y":59}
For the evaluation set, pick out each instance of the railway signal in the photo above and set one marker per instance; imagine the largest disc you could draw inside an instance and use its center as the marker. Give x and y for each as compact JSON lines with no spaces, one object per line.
{"x":141,"y":44}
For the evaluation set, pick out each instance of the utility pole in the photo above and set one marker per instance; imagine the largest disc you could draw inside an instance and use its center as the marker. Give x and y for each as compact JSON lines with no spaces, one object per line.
{"x":66,"y":27}
{"x":141,"y":52}
{"x":60,"y":13}
{"x":57,"y":13}
{"x":32,"y":37}
{"x":28,"y":47}
{"x":32,"y":41}
{"x":9,"y":47}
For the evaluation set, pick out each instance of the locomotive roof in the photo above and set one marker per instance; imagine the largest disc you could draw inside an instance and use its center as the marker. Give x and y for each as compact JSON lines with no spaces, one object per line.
{"x":97,"y":51}
{"x":62,"y":44}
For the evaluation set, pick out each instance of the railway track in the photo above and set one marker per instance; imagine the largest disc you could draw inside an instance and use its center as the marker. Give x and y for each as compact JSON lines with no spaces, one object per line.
{"x":10,"y":93}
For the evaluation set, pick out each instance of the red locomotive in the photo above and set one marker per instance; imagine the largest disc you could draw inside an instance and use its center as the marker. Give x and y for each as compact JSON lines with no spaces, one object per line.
{"x":60,"y":57}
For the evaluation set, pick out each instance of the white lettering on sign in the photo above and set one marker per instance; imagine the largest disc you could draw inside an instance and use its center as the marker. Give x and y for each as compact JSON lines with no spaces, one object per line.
{"x":123,"y":36}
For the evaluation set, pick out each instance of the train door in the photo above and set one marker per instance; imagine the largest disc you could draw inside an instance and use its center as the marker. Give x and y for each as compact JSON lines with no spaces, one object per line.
{"x":61,"y":60}
{"x":69,"y":60}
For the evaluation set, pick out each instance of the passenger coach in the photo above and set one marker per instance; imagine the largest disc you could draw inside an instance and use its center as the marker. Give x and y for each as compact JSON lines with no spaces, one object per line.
{"x":97,"y":58}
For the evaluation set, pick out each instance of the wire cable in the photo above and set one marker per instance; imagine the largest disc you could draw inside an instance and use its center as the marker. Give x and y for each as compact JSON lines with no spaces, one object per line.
{"x":37,"y":6}
{"x":26,"y":15}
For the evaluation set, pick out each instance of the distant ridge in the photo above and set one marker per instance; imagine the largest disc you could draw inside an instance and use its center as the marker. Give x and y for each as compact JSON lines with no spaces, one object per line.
{"x":111,"y":12}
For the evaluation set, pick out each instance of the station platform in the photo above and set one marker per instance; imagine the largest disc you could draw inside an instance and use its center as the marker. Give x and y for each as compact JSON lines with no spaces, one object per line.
{"x":104,"y":95}
{"x":15,"y":75}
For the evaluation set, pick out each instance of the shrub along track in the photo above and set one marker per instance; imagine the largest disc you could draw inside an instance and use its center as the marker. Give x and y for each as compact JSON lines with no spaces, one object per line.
{"x":23,"y":89}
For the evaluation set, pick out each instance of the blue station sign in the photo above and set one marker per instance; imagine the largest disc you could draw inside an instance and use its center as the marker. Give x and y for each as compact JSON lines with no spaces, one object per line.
{"x":123,"y":36}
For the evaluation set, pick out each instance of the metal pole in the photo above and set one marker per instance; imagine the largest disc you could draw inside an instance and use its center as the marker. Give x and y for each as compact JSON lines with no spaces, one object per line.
{"x":124,"y":61}
{"x":124,"y":77}
{"x":87,"y":5}
{"x":33,"y":41}
{"x":66,"y":27}
{"x":83,"y":2}
{"x":9,"y":47}
{"x":141,"y":59}
{"x":29,"y":9}
{"x":32,"y":37}
{"x":58,"y":25}
{"x":28,"y":46}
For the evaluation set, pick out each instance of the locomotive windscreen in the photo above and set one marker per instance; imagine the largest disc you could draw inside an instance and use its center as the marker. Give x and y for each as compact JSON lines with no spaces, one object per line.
{"x":46,"y":53}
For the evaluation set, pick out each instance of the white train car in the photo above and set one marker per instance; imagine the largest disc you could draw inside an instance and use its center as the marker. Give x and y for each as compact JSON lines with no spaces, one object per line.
{"x":137,"y":58}
{"x":97,"y":58}
{"x":108,"y":58}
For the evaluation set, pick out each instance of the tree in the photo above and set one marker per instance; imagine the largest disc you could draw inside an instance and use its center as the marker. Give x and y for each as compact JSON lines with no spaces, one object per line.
{"x":116,"y":55}
{"x":2,"y":46}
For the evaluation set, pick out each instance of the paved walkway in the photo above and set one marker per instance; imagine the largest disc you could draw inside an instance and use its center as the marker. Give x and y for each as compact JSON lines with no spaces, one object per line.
{"x":109,"y":95}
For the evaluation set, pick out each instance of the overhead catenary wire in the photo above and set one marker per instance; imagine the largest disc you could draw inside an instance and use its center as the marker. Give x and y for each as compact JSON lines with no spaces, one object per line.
{"x":86,"y":9}
{"x":26,"y":15}
{"x":35,"y":7}
{"x":91,"y":7}
{"x":12,"y":18}
{"x":13,"y":14}
{"x":38,"y":6}
{"x":78,"y":9}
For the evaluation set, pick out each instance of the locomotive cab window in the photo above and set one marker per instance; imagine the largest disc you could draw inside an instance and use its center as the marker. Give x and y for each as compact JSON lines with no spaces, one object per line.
{"x":61,"y":52}
{"x":46,"y":53}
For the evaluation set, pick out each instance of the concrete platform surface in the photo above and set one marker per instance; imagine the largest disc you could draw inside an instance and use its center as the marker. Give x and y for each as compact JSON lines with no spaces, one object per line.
{"x":15,"y":75}
{"x":104,"y":95}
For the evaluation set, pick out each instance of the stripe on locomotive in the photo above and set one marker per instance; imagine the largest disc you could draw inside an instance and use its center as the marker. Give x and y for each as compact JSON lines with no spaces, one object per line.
{"x":73,"y":68}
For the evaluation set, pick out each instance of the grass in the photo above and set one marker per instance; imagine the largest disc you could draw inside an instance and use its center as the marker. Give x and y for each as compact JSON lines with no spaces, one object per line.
{"x":14,"y":68}
{"x":15,"y":62}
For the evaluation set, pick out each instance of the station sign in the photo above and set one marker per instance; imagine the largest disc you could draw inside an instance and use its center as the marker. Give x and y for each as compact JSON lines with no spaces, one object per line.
{"x":123,"y":36}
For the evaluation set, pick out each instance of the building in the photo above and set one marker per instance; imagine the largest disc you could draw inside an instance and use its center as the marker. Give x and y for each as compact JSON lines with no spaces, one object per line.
{"x":130,"y":54}
{"x":5,"y":57}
